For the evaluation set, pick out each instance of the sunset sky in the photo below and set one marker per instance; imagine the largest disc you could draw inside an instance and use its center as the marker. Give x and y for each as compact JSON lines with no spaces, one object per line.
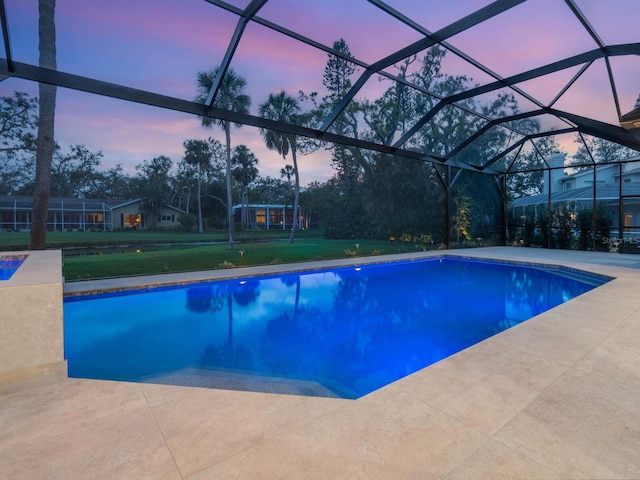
{"x":161,"y":45}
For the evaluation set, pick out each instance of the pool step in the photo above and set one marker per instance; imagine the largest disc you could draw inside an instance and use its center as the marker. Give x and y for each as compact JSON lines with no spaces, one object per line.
{"x":229,"y":380}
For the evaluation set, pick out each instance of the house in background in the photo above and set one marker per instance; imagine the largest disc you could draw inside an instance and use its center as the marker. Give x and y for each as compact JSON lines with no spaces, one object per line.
{"x":616,"y":185}
{"x":631,"y":121}
{"x":82,"y":214}
{"x":127,"y":215}
{"x":270,"y":217}
{"x":604,"y":174}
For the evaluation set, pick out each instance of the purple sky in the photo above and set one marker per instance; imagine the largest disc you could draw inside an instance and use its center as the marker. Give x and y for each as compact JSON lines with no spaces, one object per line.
{"x":160,"y":45}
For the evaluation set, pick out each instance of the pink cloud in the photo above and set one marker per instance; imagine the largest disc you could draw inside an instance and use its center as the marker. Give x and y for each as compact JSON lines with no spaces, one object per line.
{"x":129,"y":133}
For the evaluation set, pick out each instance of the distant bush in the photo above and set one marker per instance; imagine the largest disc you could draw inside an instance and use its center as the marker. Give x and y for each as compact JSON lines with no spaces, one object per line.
{"x":188,"y":221}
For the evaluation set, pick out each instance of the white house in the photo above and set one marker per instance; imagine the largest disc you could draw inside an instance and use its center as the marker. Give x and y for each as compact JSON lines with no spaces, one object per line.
{"x":617,"y":185}
{"x":605,"y":174}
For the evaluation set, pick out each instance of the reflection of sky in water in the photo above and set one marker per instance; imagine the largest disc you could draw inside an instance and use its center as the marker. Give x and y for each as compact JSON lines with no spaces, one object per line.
{"x":9,"y":264}
{"x":352,"y":331}
{"x":317,"y":291}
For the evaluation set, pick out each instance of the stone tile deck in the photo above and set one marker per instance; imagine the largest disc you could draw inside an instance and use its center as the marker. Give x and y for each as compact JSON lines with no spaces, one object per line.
{"x":557,"y":397}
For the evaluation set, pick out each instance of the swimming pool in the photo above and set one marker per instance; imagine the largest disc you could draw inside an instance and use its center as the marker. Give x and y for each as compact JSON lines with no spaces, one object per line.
{"x":9,"y":264}
{"x":342,"y":332}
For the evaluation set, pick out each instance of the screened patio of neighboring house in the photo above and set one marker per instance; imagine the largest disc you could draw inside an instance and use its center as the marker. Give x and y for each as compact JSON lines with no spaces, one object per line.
{"x":65,"y":214}
{"x":603,"y":201}
{"x":269,"y":217}
{"x":84,"y":214}
{"x":607,"y":198}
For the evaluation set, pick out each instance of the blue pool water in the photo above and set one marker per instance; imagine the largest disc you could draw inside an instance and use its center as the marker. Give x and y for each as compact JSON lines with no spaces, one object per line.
{"x":342,"y":332}
{"x":9,"y":264}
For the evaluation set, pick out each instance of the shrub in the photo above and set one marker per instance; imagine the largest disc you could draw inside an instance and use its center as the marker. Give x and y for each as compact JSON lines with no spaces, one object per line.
{"x":188,"y":221}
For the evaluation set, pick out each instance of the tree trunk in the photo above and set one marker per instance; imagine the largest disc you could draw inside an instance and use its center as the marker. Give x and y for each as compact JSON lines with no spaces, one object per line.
{"x":245,"y":209}
{"x":297,"y":193}
{"x":46,"y":119}
{"x":200,"y":229}
{"x":227,"y":133}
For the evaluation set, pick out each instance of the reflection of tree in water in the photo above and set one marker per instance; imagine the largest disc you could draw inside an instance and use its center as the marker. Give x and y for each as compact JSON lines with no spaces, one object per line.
{"x":393,"y":332}
{"x":292,"y":344}
{"x":291,"y":280}
{"x":212,"y":298}
{"x":246,"y":293}
{"x":373,"y":331}
{"x":532,"y":291}
{"x":380,"y":330}
{"x":203,"y":299}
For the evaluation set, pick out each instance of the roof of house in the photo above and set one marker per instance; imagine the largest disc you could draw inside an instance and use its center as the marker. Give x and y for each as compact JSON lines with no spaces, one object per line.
{"x":57,"y":203}
{"x":25,"y":201}
{"x":606,"y":192}
{"x":262,"y":205}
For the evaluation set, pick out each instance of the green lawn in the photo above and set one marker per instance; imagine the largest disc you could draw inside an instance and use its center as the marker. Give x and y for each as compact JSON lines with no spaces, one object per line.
{"x":20,"y":240}
{"x":145,"y":252}
{"x":219,"y":256}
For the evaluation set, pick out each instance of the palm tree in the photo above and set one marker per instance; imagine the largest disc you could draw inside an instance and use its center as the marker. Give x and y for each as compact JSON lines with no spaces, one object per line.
{"x":244,"y":172}
{"x":198,"y":154}
{"x":287,"y":172}
{"x":46,"y":121}
{"x":283,"y":108}
{"x":230,"y":97}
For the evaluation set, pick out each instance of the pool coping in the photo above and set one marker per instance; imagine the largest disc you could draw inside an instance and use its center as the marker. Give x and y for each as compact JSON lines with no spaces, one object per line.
{"x":554,"y":397}
{"x":87,"y":287}
{"x":31,"y":321}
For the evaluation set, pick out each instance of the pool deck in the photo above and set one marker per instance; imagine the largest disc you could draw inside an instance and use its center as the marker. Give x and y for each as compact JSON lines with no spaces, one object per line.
{"x":556,"y":397}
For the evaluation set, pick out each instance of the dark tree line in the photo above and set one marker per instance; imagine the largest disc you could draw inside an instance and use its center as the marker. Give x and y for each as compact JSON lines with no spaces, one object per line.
{"x":379,"y":195}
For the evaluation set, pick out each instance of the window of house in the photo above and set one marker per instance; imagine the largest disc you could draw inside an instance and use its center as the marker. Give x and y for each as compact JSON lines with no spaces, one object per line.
{"x":131,"y":220}
{"x":627,"y":219}
{"x":275,"y":217}
{"x":167,"y":218}
{"x":93,"y":218}
{"x":261,"y":217}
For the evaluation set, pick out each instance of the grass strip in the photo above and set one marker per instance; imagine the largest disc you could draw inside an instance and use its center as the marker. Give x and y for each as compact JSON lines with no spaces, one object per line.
{"x":20,"y":240}
{"x":219,"y":256}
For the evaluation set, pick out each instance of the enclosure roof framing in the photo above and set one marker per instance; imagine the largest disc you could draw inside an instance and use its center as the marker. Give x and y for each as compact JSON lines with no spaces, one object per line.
{"x":551,"y":81}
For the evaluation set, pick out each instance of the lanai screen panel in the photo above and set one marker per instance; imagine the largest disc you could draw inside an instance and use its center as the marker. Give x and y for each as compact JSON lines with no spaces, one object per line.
{"x":576,"y":61}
